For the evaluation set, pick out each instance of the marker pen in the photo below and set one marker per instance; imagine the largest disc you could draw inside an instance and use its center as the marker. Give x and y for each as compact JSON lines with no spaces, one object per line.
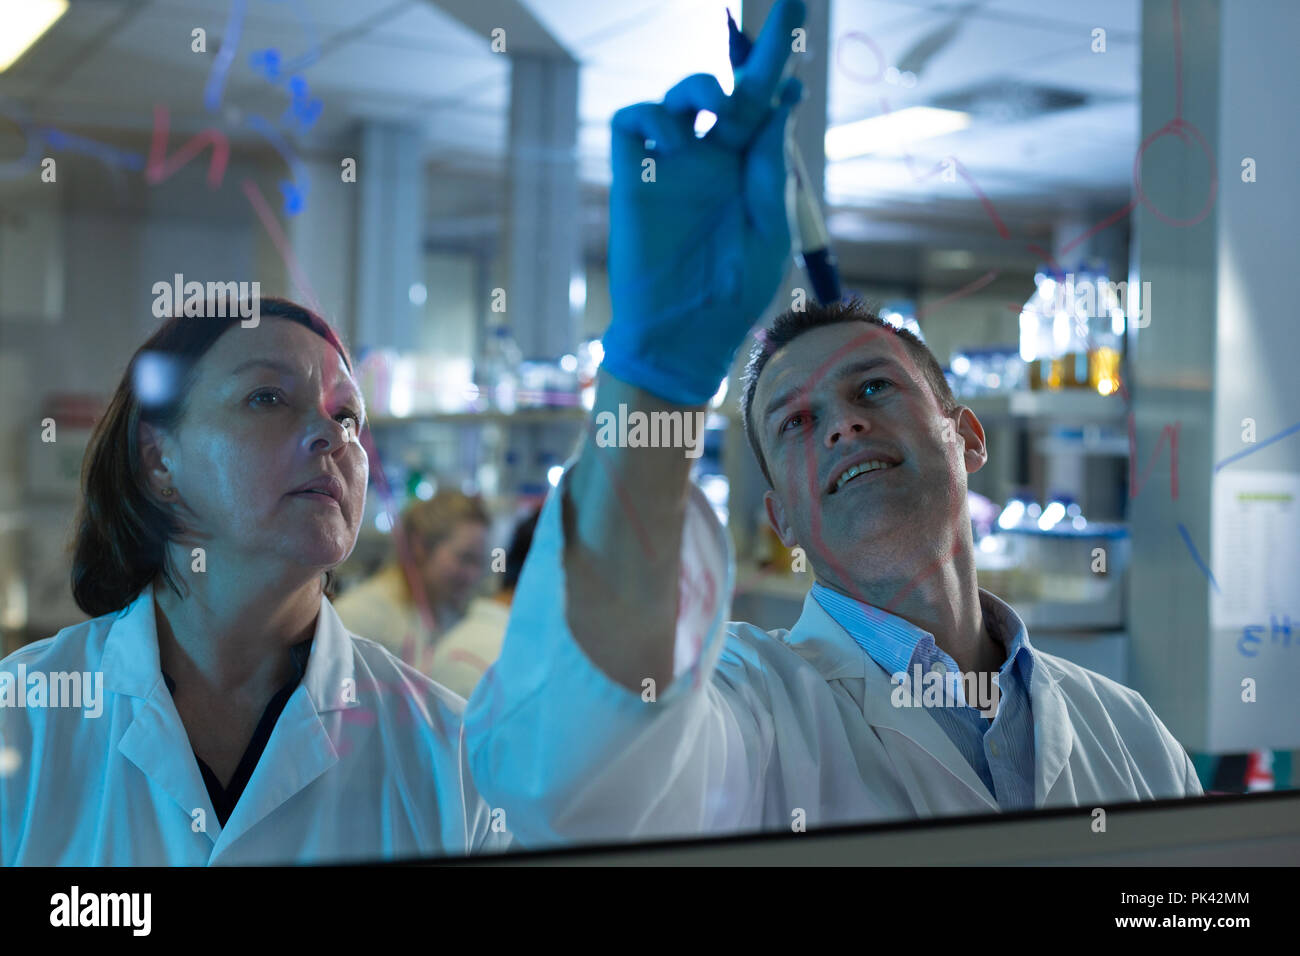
{"x":808,"y":228}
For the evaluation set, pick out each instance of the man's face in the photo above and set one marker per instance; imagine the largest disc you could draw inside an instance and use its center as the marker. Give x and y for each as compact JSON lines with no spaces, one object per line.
{"x":846,"y":395}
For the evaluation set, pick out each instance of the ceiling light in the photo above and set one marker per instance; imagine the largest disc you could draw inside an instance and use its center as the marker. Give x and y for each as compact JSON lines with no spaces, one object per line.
{"x":25,"y":21}
{"x":891,"y":131}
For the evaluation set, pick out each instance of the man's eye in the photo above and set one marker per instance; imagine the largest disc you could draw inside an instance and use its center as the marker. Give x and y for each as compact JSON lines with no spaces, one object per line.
{"x":788,"y":421}
{"x":876,"y":381}
{"x":273,"y":393}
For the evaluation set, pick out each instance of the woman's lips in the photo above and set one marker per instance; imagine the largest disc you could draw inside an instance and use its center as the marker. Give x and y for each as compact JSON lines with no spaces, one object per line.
{"x":319,"y":498}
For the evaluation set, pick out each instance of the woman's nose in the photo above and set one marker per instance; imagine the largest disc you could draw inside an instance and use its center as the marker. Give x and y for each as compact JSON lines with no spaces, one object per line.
{"x":329,"y":434}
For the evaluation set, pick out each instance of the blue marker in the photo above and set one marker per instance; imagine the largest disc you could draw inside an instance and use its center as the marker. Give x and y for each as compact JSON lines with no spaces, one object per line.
{"x":812,"y":242}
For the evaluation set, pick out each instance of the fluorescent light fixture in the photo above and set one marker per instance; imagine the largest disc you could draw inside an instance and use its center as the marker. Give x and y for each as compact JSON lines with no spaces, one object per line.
{"x":577,"y":292}
{"x":25,"y":22}
{"x":891,"y":130}
{"x":1011,"y":514}
{"x":952,"y":259}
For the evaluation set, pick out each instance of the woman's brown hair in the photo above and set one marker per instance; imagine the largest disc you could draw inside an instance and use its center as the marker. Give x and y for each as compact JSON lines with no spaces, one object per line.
{"x":121,"y":536}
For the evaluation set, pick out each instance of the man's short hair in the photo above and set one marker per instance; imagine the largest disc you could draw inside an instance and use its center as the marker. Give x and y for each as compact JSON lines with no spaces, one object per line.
{"x":791,"y":324}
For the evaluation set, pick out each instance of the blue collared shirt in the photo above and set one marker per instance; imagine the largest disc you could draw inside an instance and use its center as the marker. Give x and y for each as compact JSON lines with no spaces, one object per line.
{"x":1001,"y":750}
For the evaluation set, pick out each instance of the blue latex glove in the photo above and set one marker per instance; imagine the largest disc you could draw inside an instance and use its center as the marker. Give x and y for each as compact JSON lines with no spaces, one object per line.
{"x":696,"y":255}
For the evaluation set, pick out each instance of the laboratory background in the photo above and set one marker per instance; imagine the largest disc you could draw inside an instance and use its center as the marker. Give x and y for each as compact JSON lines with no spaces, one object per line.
{"x":1085,"y":210}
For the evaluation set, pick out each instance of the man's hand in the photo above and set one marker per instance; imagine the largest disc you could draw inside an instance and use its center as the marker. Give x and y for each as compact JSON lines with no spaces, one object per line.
{"x":699,"y":240}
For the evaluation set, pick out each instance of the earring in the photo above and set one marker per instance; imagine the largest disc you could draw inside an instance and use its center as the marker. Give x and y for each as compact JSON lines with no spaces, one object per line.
{"x":168,"y":492}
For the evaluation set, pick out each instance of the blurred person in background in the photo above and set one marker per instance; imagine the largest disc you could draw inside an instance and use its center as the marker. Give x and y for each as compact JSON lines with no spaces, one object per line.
{"x":467,"y":650}
{"x":427,"y":584}
{"x":221,"y":713}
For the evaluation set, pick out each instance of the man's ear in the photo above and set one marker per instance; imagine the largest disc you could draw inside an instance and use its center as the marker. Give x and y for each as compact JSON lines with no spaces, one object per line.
{"x":776,"y":518}
{"x":154,"y":463}
{"x":976,"y":453}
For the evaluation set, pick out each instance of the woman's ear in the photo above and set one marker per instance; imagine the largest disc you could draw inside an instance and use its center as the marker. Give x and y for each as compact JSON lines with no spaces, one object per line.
{"x":154,"y":463}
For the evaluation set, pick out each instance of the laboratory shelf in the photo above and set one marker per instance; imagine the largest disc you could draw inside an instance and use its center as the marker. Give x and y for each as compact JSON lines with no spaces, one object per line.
{"x":1077,"y":405}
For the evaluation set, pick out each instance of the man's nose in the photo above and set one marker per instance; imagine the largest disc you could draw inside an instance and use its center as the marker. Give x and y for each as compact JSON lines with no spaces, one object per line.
{"x":844,"y":422}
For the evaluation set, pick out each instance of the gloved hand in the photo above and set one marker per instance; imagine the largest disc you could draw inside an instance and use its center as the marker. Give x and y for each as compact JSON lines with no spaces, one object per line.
{"x":699,"y":242}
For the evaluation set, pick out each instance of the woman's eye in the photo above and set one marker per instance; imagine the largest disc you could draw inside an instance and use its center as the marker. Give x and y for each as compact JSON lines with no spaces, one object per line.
{"x":266,"y":393}
{"x":347,"y":414}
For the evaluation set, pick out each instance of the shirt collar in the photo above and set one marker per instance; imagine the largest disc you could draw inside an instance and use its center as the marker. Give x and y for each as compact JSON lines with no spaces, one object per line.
{"x":895,"y":644}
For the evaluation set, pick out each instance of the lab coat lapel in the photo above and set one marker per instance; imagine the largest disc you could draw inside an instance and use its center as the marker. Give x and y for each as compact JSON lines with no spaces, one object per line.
{"x":300,"y":748}
{"x":1053,"y":733}
{"x":820,"y":640}
{"x":155,"y":740}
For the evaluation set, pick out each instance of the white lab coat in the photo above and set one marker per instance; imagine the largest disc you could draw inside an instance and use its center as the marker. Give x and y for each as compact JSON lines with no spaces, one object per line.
{"x":761,"y":730}
{"x":363,"y":762}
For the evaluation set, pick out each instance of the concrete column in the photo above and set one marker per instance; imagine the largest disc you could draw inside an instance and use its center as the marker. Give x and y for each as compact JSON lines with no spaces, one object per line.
{"x":544,"y":221}
{"x":322,"y":237}
{"x":389,"y":251}
{"x":543,"y":234}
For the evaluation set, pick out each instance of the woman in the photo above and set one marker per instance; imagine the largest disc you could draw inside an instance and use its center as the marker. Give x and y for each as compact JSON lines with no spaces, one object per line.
{"x":407,"y":605}
{"x":222,"y":485}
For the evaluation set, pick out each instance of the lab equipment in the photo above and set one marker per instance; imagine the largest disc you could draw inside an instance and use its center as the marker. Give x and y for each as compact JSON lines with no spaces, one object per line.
{"x":812,"y":243}
{"x":498,"y":374}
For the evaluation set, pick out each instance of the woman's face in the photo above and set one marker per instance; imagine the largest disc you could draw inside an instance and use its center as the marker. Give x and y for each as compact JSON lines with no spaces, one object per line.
{"x":455,"y":567}
{"x":272,"y":409}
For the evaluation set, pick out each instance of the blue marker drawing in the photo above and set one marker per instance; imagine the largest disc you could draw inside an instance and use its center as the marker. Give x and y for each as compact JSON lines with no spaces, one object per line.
{"x":266,"y":62}
{"x":1267,"y":441}
{"x":42,"y":139}
{"x":225,"y":57}
{"x":304,"y":110}
{"x":313,"y":51}
{"x":57,"y":139}
{"x":294,"y":198}
{"x":295,"y":191}
{"x":1249,"y":638}
{"x":1187,"y":539}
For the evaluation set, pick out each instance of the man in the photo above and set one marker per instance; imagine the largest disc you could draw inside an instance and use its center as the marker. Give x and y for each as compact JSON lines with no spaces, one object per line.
{"x":623,"y":705}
